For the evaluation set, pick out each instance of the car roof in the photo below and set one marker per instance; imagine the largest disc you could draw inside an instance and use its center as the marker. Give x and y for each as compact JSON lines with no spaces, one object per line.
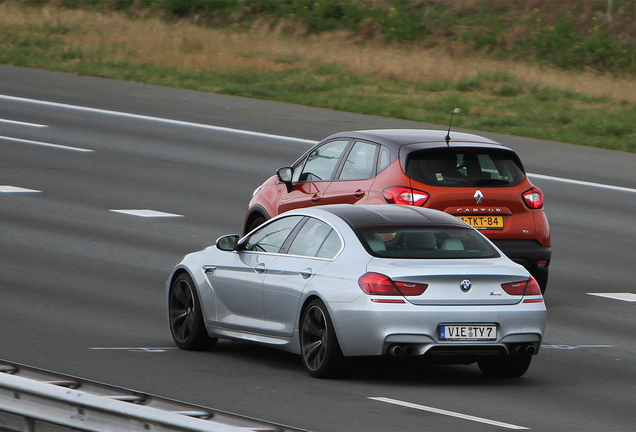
{"x":366,"y":216}
{"x":424,"y":137}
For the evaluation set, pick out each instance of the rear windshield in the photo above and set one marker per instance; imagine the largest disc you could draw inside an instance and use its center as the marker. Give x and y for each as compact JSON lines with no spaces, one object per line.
{"x":425,"y":243}
{"x":465,"y":167}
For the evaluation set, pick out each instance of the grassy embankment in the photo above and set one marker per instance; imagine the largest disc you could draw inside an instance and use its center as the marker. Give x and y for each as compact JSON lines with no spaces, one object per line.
{"x":367,"y":71}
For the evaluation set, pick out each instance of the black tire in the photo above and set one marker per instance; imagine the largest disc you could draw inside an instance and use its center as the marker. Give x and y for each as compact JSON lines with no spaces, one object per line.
{"x":255,"y":223}
{"x":319,"y":346}
{"x":186,"y":318}
{"x":509,"y":366}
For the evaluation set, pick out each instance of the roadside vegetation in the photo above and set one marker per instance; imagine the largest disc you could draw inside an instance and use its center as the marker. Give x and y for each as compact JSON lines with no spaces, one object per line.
{"x":563,"y":71}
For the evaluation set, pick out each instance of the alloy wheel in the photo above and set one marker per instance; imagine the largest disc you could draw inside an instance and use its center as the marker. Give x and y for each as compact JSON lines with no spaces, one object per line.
{"x":314,"y":338}
{"x":182,"y":317}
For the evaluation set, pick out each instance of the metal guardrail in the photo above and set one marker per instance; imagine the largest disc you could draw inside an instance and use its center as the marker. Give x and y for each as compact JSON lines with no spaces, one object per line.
{"x":38,"y":400}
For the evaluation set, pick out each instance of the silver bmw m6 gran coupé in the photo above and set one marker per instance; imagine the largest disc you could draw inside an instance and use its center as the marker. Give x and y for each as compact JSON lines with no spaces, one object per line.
{"x":338,"y":281}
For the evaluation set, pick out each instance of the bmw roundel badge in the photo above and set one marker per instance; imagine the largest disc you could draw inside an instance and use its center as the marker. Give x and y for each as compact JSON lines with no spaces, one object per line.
{"x":465,"y":285}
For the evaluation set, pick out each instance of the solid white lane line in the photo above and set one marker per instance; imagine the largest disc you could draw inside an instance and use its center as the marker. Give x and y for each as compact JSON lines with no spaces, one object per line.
{"x":147,"y":213}
{"x":259,"y":134}
{"x":15,"y":189}
{"x":22,"y":123}
{"x":582,"y":183}
{"x":447,"y":413}
{"x":625,"y":296}
{"x":45,"y":144}
{"x":157,"y":119}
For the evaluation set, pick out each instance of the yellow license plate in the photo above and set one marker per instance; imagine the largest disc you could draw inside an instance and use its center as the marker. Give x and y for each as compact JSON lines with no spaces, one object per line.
{"x":484,"y":222}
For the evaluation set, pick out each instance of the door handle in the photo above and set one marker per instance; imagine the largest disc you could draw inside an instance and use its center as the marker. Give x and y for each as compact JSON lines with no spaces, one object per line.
{"x":306,"y":274}
{"x":359,"y":193}
{"x":315,"y":198}
{"x":260,"y":268}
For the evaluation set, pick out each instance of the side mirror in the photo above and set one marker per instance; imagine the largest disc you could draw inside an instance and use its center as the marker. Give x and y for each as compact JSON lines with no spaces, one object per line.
{"x":227,"y":243}
{"x":285,"y":176}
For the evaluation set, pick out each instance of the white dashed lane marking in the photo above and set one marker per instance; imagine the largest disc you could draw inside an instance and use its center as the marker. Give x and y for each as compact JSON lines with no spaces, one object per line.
{"x":447,"y":413}
{"x":147,"y":213}
{"x":138,"y":349}
{"x":575,"y":347}
{"x":624,"y":296}
{"x":15,"y":189}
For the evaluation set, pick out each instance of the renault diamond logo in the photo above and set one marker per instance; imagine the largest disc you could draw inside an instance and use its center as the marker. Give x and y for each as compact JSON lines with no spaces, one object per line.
{"x":465,"y":285}
{"x":478,"y":196}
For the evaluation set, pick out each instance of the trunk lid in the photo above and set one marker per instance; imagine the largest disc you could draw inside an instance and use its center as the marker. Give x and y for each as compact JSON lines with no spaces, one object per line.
{"x":463,"y":282}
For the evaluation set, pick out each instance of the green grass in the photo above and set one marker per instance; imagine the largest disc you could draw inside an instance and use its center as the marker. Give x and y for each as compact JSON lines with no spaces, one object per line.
{"x":570,"y":34}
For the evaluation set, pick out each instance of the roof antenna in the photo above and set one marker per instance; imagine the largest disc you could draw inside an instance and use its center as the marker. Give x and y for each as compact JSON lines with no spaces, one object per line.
{"x":454,"y":111}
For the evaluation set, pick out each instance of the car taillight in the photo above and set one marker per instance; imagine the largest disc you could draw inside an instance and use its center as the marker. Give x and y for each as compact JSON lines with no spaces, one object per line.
{"x":411,"y":289}
{"x":379,"y":284}
{"x":405,"y":196}
{"x":529,"y":287}
{"x":533,"y":198}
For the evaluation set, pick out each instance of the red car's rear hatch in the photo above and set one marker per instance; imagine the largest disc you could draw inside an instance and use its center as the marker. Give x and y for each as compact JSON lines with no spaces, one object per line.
{"x":483,"y":186}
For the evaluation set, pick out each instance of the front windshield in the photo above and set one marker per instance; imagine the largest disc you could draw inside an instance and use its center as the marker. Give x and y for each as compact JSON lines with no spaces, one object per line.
{"x":425,"y":243}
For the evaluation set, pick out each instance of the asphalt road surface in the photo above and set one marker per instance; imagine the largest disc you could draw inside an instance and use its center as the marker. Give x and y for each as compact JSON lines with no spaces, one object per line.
{"x":82,"y":283}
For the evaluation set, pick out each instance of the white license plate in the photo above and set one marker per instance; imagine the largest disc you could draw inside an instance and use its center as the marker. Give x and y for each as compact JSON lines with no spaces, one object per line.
{"x":468,"y":332}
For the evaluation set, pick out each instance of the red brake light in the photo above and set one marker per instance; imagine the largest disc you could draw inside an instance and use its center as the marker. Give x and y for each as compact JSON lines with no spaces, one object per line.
{"x":405,"y":196}
{"x":516,"y":288}
{"x":529,"y":287}
{"x":533,"y":198}
{"x":411,"y":289}
{"x":379,"y":284}
{"x":533,"y":287}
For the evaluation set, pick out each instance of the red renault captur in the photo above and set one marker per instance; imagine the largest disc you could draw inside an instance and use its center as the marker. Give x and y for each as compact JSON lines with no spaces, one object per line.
{"x":476,"y":179}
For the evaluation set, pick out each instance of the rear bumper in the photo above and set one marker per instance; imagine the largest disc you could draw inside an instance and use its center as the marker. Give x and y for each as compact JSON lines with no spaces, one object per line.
{"x":528,"y":253}
{"x":373,"y":328}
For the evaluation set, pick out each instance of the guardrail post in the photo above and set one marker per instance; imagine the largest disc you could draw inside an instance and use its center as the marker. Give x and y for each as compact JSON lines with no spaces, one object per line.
{"x":29,"y":424}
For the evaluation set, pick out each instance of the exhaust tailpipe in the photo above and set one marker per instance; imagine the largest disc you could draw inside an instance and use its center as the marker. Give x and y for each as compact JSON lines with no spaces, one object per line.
{"x":532,"y":350}
{"x":395,"y":350}
{"x":408,"y":350}
{"x":521,"y":349}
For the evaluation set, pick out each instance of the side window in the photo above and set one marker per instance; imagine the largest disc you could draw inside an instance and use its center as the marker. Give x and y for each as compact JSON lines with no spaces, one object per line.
{"x":360,"y":162}
{"x":310,"y":238}
{"x":331,"y":246}
{"x":385,"y":159}
{"x":271,"y":237}
{"x":322,"y":161}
